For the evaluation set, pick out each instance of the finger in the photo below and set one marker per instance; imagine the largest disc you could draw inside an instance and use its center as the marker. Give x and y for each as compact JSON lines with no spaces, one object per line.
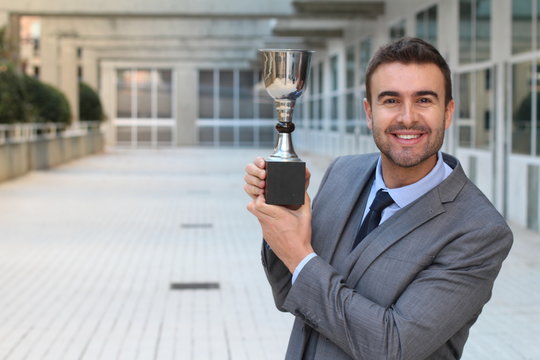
{"x":252,"y":191}
{"x":256,"y":171}
{"x":260,"y":162}
{"x":265,"y":210}
{"x":254,"y":181}
{"x":251,"y":207}
{"x":307,"y":201}
{"x":308,"y":177}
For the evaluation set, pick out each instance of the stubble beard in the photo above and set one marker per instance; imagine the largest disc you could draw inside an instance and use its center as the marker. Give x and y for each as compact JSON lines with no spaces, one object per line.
{"x":406,"y":157}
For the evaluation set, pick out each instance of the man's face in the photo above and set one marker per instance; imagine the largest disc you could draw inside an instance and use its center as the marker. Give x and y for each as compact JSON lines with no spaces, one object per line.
{"x":407,"y":113}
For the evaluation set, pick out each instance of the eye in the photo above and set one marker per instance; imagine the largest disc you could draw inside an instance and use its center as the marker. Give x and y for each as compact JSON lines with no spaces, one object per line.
{"x":390,"y":101}
{"x":424,"y":100}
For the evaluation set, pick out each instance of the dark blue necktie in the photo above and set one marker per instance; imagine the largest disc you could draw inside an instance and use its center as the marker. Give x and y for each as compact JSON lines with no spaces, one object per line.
{"x":373,"y":218}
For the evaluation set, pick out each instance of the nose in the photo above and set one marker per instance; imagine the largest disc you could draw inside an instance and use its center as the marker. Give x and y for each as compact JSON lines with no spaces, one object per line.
{"x":407,"y":116}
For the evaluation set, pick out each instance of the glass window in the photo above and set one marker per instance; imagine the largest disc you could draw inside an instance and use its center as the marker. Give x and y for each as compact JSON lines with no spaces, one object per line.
{"x":246,"y":95}
{"x":226,"y":135}
{"x":144,"y":93}
{"x":465,"y":31}
{"x":144,"y":135}
{"x":538,"y":24}
{"x":432,"y":25}
{"x":312,"y":115}
{"x":465,"y":136}
{"x":397,"y":31}
{"x":298,"y":114}
{"x":164,"y":135}
{"x":206,"y":94}
{"x":421,"y":30}
{"x":143,"y":83}
{"x":483,"y":107}
{"x":536,"y":87}
{"x":320,"y":114}
{"x":465,"y":119}
{"x":334,"y":103}
{"x":266,"y":135}
{"x":351,"y":66}
{"x":522,"y":17}
{"x":164,"y":94}
{"x":474,"y":30}
{"x":521,"y":108}
{"x":365,"y":55}
{"x":334,"y":72}
{"x":426,"y":25}
{"x":123,"y":94}
{"x":206,"y":135}
{"x":464,"y":96}
{"x":226,"y":95}
{"x":320,"y":88}
{"x":240,"y":94}
{"x":475,"y":109}
{"x":350,"y":114}
{"x":246,"y":135}
{"x":483,"y":30}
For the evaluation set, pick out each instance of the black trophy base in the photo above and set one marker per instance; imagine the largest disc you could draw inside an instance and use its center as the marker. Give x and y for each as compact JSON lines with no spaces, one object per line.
{"x":285,"y":182}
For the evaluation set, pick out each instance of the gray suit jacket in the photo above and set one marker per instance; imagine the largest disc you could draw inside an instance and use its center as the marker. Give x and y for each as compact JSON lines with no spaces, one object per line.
{"x":410,"y":290}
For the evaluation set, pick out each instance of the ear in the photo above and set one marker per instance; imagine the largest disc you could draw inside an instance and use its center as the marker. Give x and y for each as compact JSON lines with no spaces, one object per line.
{"x":449,"y":114}
{"x":369,"y":114}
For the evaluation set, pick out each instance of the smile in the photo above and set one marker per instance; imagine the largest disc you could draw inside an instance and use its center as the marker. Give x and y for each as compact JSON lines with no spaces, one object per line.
{"x":408,"y":137}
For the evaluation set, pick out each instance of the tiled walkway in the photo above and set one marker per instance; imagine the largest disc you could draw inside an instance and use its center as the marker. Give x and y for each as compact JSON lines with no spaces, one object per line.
{"x":89,"y":250}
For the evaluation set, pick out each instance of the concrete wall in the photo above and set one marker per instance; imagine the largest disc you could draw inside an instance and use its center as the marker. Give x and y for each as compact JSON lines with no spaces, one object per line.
{"x":17,"y":159}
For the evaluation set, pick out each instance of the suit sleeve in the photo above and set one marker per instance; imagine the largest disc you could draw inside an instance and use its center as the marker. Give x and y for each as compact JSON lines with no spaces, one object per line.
{"x":441,"y":300}
{"x":276,"y":272}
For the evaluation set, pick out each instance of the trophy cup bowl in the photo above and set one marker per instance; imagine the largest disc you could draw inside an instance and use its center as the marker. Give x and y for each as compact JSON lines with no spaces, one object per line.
{"x":285,"y":77}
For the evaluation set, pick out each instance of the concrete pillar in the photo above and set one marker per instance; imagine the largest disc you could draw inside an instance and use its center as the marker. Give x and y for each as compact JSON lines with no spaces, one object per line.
{"x":13,"y":38}
{"x":69,"y":83}
{"x":89,"y":67}
{"x":186,"y":105}
{"x":107,"y":93}
{"x":49,"y":59}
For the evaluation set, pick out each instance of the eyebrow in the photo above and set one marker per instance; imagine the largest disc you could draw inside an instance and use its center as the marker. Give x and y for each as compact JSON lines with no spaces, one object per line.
{"x":418,"y":93}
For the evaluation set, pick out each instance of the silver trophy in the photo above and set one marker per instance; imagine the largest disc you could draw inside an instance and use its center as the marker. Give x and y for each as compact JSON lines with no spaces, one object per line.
{"x":285,"y":75}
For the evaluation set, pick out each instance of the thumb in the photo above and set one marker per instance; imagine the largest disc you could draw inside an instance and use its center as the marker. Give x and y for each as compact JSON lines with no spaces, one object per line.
{"x":307,"y":203}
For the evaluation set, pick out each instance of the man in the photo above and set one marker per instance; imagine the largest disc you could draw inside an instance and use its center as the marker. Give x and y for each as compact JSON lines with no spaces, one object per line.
{"x":407,"y":283}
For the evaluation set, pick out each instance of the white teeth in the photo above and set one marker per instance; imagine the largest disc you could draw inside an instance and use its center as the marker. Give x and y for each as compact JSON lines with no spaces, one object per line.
{"x":408,"y":137}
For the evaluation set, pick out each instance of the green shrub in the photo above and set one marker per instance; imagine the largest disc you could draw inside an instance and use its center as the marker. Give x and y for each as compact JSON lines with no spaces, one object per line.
{"x":13,"y":107}
{"x":89,"y":104}
{"x":47,"y":104}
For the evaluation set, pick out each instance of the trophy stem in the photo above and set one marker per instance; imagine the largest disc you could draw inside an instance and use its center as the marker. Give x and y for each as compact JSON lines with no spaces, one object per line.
{"x":284,"y":150}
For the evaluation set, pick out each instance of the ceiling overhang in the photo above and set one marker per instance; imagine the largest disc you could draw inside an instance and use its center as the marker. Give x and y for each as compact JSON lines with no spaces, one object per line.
{"x":348,"y":8}
{"x":310,"y":28}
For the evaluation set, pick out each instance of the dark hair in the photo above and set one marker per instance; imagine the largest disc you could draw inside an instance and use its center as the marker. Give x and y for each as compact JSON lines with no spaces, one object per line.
{"x":409,"y":51}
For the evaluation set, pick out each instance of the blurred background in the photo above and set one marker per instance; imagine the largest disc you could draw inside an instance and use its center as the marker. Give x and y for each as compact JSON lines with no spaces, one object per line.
{"x":142,"y":248}
{"x":175,"y":73}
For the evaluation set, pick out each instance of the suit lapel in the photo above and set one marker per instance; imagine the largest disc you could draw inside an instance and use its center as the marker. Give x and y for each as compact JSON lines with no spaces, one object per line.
{"x":402,"y":223}
{"x":339,"y":204}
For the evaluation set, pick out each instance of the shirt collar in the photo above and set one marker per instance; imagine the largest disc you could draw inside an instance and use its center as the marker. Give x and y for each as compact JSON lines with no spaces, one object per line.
{"x":405,"y":195}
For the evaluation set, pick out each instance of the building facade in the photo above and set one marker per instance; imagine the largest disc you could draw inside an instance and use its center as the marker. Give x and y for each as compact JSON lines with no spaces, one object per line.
{"x":174,"y":73}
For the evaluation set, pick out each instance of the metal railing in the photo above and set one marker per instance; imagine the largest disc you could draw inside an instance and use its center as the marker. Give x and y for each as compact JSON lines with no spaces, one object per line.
{"x":20,"y":133}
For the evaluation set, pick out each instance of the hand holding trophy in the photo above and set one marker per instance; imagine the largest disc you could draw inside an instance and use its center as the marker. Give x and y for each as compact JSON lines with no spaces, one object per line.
{"x":285,"y":75}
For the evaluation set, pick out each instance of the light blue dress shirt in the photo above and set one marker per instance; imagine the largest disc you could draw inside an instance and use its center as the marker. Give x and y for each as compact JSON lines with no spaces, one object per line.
{"x":402,"y":196}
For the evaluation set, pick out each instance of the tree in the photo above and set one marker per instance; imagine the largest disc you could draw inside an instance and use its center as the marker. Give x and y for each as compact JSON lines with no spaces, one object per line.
{"x":90,"y":108}
{"x":47,"y":103}
{"x":13,"y":106}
